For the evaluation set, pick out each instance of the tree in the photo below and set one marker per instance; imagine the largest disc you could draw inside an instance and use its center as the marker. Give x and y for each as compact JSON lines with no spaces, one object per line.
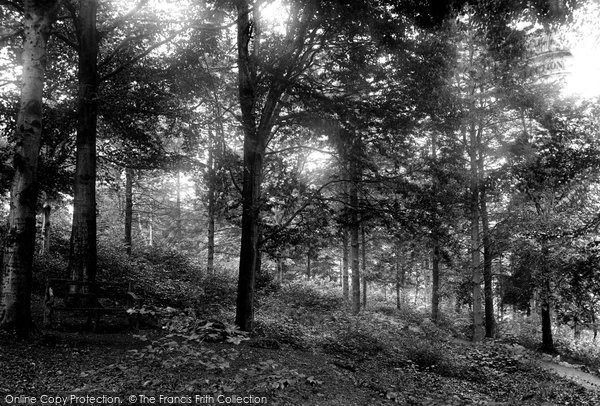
{"x":259,"y":114}
{"x":552,"y":173}
{"x":82,"y":257}
{"x":15,"y":302}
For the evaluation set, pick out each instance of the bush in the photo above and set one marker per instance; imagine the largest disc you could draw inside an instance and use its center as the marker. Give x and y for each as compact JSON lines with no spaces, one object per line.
{"x":313,"y":296}
{"x":353,"y":343}
{"x":48,"y":266}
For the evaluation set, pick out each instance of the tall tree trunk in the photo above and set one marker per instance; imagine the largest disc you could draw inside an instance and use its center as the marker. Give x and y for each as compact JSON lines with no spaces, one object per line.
{"x":178,"y":207}
{"x":210,"y":255}
{"x":354,"y":236}
{"x":254,"y":148}
{"x":256,"y":133}
{"x":398,"y":279}
{"x":345,"y":284}
{"x":46,"y":227}
{"x":151,"y":226}
{"x":364,"y":266}
{"x":478,"y":328}
{"x":490,"y":322}
{"x":308,"y":270}
{"x":128,"y":208}
{"x":15,"y":300}
{"x":435,"y":283}
{"x":427,"y":281}
{"x":82,"y":255}
{"x":435,"y":240}
{"x":546,"y":305}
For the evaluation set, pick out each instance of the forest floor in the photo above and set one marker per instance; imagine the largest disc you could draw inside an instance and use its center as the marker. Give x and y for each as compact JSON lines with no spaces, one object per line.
{"x":305,"y":353}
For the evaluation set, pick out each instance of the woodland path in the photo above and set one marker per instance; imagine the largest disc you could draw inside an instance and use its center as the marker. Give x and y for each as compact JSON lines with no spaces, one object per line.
{"x":572,"y":373}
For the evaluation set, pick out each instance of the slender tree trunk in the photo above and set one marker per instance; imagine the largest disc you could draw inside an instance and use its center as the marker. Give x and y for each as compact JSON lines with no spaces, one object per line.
{"x":427,"y":282}
{"x":547,"y":340}
{"x":308,"y":270}
{"x":435,"y":257}
{"x":46,"y":227}
{"x":128,"y":208}
{"x":478,"y":328}
{"x":15,"y":299}
{"x":178,"y":207}
{"x":345,"y":284}
{"x":151,"y":227}
{"x":364,"y":267}
{"x":354,"y":237}
{"x":82,"y":256}
{"x":490,"y":322}
{"x":416,"y":290}
{"x":398,"y":281}
{"x":435,"y":283}
{"x":210,"y":255}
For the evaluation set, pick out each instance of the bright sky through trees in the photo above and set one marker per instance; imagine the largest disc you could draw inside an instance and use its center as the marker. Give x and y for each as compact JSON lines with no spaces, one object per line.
{"x":583,"y":36}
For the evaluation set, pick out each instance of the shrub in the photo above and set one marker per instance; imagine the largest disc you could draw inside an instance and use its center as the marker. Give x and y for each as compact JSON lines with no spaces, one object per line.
{"x":353,"y":343}
{"x":312,"y":296}
{"x":47,"y":266}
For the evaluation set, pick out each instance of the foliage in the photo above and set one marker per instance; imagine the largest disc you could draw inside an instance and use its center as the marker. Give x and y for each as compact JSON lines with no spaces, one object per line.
{"x":312,"y":296}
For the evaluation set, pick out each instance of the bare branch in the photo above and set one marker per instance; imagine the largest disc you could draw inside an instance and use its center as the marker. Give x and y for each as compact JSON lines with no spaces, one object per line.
{"x":68,"y":41}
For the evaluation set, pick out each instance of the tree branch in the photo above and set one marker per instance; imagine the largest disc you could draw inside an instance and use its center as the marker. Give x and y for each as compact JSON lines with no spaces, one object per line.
{"x":140,"y":56}
{"x":299,"y":210}
{"x":120,"y":20}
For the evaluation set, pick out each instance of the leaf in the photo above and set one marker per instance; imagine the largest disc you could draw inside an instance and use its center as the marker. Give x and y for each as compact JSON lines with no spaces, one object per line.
{"x":312,"y":381}
{"x":236,"y":340}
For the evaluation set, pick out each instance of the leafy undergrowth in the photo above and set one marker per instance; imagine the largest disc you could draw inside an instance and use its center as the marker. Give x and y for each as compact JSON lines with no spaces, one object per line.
{"x":307,"y":349}
{"x":163,"y":277}
{"x":583,"y":351}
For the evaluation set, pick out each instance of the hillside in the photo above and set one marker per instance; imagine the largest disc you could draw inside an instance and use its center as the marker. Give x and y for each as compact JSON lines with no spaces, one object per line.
{"x":306,"y":350}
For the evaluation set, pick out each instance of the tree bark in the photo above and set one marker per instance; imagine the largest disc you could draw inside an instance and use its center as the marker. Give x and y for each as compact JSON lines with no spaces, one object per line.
{"x":257,"y":130}
{"x":210,"y":254}
{"x":398,"y":278}
{"x":354,"y":236}
{"x":128,"y":208}
{"x":345,"y":284}
{"x":46,"y":226}
{"x":178,"y":206}
{"x":478,"y":328}
{"x":546,"y":305}
{"x":364,"y":267}
{"x":435,"y":280}
{"x":151,"y":226}
{"x":490,"y":322}
{"x":254,"y":148}
{"x":15,"y":300}
{"x":82,"y":255}
{"x":435,"y":257}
